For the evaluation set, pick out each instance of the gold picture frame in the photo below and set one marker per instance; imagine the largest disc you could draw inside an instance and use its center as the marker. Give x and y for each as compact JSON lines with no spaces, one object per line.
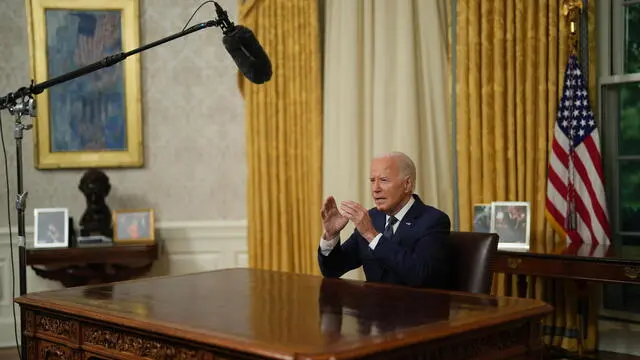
{"x":134,"y":226}
{"x":95,"y":120}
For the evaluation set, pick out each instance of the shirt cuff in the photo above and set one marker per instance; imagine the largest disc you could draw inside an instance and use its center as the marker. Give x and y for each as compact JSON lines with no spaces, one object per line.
{"x":374,"y":242}
{"x":327,"y":245}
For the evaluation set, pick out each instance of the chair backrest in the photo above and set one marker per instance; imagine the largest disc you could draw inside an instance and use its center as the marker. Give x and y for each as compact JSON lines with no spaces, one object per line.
{"x":473,"y":255}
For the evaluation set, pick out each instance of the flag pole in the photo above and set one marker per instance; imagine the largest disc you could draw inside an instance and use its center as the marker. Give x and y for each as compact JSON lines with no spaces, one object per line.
{"x":571,"y":10}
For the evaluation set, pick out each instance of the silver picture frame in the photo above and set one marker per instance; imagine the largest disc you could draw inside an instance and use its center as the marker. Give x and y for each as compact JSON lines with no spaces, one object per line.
{"x":51,"y":228}
{"x":482,"y":218}
{"x":511,"y":220}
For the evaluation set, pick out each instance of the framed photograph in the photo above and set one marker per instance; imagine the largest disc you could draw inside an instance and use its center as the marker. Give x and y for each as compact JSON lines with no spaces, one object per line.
{"x":511,"y":220}
{"x":94,"y":120}
{"x":51,"y":228}
{"x":133,"y":226}
{"x":482,"y":218}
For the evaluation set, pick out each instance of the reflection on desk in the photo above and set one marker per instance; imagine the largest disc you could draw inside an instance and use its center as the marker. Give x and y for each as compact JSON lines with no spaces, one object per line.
{"x":366,"y":310}
{"x":267,"y":314}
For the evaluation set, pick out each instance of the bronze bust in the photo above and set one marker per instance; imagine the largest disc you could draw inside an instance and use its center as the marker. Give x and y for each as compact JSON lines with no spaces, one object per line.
{"x":96,"y":219}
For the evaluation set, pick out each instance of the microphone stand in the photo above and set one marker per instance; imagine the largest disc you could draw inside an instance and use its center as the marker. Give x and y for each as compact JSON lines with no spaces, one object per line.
{"x":21,"y":102}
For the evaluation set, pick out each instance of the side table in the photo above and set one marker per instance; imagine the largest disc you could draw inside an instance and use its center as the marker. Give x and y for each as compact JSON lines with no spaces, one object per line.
{"x":92,"y":265}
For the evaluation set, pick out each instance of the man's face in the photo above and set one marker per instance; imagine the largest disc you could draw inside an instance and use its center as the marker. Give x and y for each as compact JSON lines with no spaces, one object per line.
{"x":388,"y":188}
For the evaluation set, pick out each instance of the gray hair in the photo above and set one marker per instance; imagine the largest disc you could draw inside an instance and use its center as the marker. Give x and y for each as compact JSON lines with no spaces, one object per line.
{"x":405,"y":165}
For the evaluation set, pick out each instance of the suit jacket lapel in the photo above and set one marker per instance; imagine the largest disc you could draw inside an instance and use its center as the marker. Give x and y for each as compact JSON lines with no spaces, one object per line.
{"x":408,"y":222}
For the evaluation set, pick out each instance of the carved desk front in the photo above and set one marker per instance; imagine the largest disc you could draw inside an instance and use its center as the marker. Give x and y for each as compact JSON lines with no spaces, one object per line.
{"x":259,"y":314}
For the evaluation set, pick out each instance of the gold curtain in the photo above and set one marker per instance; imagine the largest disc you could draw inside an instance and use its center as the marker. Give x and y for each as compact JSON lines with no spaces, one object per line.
{"x":511,"y":57}
{"x":284,"y":137}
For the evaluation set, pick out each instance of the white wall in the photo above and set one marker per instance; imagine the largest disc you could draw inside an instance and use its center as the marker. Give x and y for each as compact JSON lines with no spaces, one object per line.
{"x":187,"y":247}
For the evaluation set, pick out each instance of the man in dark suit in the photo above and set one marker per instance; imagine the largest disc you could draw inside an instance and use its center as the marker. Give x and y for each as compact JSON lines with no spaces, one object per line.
{"x":400,"y":241}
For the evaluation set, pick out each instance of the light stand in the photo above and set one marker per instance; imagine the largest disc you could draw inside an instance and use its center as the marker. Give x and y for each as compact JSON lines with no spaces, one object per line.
{"x":26,"y":106}
{"x":20,"y":103}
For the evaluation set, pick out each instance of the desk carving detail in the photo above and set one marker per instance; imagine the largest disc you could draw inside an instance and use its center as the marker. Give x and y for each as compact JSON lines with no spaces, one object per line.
{"x":52,"y":351}
{"x":32,"y":349}
{"x":632,"y":272}
{"x":30,"y":325}
{"x":483,"y":346}
{"x":139,"y":346}
{"x":513,"y":263}
{"x":65,"y":329}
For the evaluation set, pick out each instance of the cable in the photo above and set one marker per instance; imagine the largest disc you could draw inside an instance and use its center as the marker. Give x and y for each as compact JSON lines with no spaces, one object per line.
{"x":194,"y":13}
{"x":13,"y":267}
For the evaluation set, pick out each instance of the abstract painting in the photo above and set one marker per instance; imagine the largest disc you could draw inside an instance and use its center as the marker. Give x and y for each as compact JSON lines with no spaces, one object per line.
{"x":86,"y":113}
{"x":93,"y":120}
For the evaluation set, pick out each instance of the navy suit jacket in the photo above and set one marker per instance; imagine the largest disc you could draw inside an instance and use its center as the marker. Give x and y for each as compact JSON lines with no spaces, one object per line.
{"x":418,"y":255}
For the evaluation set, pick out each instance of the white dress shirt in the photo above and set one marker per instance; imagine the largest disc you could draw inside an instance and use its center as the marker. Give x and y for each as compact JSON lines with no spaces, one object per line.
{"x":327,"y":245}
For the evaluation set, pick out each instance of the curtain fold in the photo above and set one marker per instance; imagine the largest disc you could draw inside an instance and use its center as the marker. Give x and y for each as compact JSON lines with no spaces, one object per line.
{"x":511,"y":56}
{"x":284,"y":137}
{"x":386,"y":89}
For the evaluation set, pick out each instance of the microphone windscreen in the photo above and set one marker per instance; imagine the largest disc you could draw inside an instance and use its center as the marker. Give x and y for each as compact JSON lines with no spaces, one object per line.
{"x":248,"y":54}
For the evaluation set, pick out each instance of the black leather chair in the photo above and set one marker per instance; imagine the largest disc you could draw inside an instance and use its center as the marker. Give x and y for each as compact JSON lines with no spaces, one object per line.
{"x":473,"y":256}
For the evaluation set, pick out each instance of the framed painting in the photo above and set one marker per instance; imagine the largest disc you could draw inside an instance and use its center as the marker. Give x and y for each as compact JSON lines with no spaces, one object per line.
{"x":94,"y":120}
{"x":134,"y":227}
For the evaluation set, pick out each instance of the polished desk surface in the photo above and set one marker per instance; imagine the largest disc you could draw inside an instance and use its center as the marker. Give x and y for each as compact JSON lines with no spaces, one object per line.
{"x":275,"y":313}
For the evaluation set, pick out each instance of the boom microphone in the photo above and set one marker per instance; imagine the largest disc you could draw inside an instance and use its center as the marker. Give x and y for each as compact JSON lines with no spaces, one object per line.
{"x":244,"y":48}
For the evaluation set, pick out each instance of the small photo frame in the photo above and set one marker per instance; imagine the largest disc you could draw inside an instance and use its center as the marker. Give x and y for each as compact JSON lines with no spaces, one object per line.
{"x":51,"y":228}
{"x":482,"y":218}
{"x":511,"y":220}
{"x":133,"y":226}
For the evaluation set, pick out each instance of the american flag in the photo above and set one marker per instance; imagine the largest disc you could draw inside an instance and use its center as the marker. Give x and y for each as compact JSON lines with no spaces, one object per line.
{"x":576,"y":204}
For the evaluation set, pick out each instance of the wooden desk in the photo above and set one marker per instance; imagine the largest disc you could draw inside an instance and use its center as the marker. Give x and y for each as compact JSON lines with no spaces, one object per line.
{"x":255,"y":314}
{"x":578,"y":262}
